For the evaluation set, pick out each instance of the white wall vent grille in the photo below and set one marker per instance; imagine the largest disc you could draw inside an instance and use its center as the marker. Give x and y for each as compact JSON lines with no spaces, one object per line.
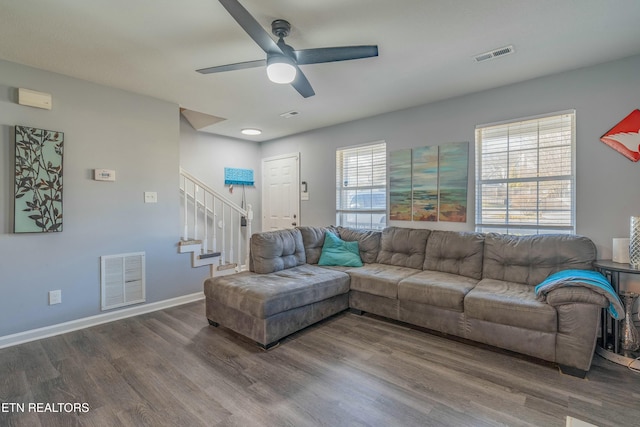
{"x":122,"y":279}
{"x":495,"y":53}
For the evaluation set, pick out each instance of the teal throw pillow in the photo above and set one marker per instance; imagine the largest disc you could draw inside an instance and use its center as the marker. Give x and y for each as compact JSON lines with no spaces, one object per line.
{"x":336,"y":251}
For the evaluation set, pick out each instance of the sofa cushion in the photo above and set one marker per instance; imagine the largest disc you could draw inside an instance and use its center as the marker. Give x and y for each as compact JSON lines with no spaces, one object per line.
{"x":313,"y":240}
{"x":436,"y":288}
{"x":509,"y":303}
{"x":379,"y":279}
{"x":368,"y":242}
{"x":336,"y":251}
{"x":403,"y":247}
{"x":530,"y":259}
{"x":276,"y":250}
{"x":263,"y":295}
{"x":455,"y":252}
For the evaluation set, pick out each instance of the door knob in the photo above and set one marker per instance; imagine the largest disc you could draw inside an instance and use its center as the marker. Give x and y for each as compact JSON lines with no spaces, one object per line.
{"x":294,"y":224}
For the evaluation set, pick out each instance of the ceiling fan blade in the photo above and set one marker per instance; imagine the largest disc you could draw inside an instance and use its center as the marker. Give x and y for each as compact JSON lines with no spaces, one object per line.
{"x":251,"y":26}
{"x":232,"y":67}
{"x":331,"y":54}
{"x":302,"y":85}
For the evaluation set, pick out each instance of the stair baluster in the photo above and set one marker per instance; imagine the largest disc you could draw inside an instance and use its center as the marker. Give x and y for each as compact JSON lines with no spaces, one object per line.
{"x":227,"y":236}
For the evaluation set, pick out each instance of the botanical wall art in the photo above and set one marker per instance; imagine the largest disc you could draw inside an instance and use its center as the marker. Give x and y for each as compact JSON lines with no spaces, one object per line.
{"x":625,"y":136}
{"x":400,"y":185}
{"x":429,"y":183}
{"x":38,"y":180}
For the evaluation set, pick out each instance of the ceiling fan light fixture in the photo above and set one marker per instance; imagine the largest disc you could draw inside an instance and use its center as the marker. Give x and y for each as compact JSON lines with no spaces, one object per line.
{"x":281,"y":69}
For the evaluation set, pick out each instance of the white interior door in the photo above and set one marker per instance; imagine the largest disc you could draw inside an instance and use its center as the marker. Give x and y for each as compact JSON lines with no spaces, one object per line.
{"x":280,"y":192}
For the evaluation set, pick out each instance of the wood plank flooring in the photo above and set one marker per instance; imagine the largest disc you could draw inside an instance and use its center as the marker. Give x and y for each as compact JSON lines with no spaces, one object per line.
{"x":169,"y":368}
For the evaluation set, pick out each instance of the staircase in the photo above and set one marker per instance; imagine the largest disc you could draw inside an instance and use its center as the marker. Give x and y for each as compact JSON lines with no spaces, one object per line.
{"x":216,"y":231}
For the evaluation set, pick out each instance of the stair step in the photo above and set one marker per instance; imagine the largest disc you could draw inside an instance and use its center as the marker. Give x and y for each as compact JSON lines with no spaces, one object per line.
{"x":188,"y":242}
{"x":227,"y":266}
{"x":210,"y":255}
{"x":189,"y":246}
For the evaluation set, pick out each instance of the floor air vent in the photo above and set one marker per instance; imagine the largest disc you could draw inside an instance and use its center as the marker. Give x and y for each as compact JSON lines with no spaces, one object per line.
{"x":494,"y":53}
{"x":122,"y":279}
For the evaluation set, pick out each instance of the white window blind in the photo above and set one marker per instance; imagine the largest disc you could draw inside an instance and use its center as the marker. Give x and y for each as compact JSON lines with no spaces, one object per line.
{"x":525,"y":176}
{"x":361,"y":186}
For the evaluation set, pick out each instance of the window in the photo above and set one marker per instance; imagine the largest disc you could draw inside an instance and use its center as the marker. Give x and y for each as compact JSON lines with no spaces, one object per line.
{"x":361,"y":186}
{"x":525,"y":175}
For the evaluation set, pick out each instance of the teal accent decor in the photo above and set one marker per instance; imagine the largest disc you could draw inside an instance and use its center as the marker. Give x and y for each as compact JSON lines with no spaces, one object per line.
{"x":585,"y":278}
{"x":238,"y":176}
{"x":336,"y":251}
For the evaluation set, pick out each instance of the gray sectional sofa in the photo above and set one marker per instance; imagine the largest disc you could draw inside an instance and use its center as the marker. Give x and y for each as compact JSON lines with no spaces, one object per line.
{"x":471,"y":285}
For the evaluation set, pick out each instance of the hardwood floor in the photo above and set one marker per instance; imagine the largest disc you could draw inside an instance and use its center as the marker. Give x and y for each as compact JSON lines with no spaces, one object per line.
{"x":169,"y":368}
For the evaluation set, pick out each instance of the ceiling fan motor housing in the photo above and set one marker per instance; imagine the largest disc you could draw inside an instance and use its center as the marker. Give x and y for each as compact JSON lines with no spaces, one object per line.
{"x":280,"y":28}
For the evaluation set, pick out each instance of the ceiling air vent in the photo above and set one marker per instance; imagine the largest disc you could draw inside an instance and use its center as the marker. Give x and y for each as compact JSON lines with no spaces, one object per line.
{"x":502,"y":51}
{"x":289,"y":114}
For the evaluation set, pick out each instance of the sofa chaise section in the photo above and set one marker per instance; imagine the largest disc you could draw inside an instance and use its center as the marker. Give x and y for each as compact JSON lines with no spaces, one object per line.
{"x":282,"y":295}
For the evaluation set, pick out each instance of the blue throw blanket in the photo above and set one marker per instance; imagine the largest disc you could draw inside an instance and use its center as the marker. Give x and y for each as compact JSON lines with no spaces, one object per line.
{"x":584,"y":278}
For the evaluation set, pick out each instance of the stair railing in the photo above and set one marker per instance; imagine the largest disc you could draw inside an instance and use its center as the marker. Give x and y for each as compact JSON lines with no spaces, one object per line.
{"x":219,"y":223}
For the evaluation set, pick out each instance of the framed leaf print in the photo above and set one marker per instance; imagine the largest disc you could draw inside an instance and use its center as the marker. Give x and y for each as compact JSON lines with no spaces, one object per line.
{"x":38,"y":180}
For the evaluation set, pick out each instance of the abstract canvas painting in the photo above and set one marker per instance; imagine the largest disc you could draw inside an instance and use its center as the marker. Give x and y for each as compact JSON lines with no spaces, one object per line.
{"x":38,"y":180}
{"x":425,"y":184}
{"x":429,"y":183}
{"x":625,"y":136}
{"x":453,"y":162}
{"x":400,"y":185}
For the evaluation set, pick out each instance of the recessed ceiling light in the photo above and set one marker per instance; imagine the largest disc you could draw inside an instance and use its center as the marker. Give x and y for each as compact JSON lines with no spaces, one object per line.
{"x":251,"y":131}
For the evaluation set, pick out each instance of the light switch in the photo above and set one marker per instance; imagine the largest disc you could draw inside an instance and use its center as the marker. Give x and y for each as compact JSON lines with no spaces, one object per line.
{"x":150,"y":197}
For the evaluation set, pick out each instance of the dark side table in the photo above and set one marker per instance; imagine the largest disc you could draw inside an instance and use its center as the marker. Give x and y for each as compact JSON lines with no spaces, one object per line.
{"x":609,"y":346}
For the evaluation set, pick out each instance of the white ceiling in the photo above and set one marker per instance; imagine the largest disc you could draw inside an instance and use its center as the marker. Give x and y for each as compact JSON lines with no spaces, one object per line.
{"x":427,"y":50}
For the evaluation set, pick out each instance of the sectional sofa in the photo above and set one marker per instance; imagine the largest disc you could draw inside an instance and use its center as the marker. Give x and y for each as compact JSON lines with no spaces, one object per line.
{"x":471,"y":285}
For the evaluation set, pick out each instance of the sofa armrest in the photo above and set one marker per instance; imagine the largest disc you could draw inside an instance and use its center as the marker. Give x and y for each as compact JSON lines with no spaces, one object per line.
{"x":579,"y":311}
{"x":576,"y":294}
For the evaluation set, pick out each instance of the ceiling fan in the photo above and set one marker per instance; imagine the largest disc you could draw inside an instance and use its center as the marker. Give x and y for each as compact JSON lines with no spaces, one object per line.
{"x":282,"y":60}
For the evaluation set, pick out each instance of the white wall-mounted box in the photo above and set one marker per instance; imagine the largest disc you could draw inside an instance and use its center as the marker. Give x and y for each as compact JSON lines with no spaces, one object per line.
{"x":33,"y":98}
{"x":104,"y":175}
{"x":150,"y":197}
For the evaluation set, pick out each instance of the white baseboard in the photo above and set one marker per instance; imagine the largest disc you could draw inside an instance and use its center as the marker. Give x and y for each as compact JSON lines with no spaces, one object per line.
{"x":86,"y":322}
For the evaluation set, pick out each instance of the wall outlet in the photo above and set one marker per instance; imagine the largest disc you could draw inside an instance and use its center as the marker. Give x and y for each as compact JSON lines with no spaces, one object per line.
{"x":55,"y":297}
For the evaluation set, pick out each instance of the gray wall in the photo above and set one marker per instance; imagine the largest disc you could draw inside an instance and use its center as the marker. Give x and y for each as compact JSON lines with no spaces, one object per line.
{"x":205,"y":156}
{"x":145,"y":142}
{"x":104,"y":128}
{"x":607,"y":183}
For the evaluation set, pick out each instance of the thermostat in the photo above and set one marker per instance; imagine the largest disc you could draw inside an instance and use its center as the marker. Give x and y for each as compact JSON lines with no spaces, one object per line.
{"x":104,"y":175}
